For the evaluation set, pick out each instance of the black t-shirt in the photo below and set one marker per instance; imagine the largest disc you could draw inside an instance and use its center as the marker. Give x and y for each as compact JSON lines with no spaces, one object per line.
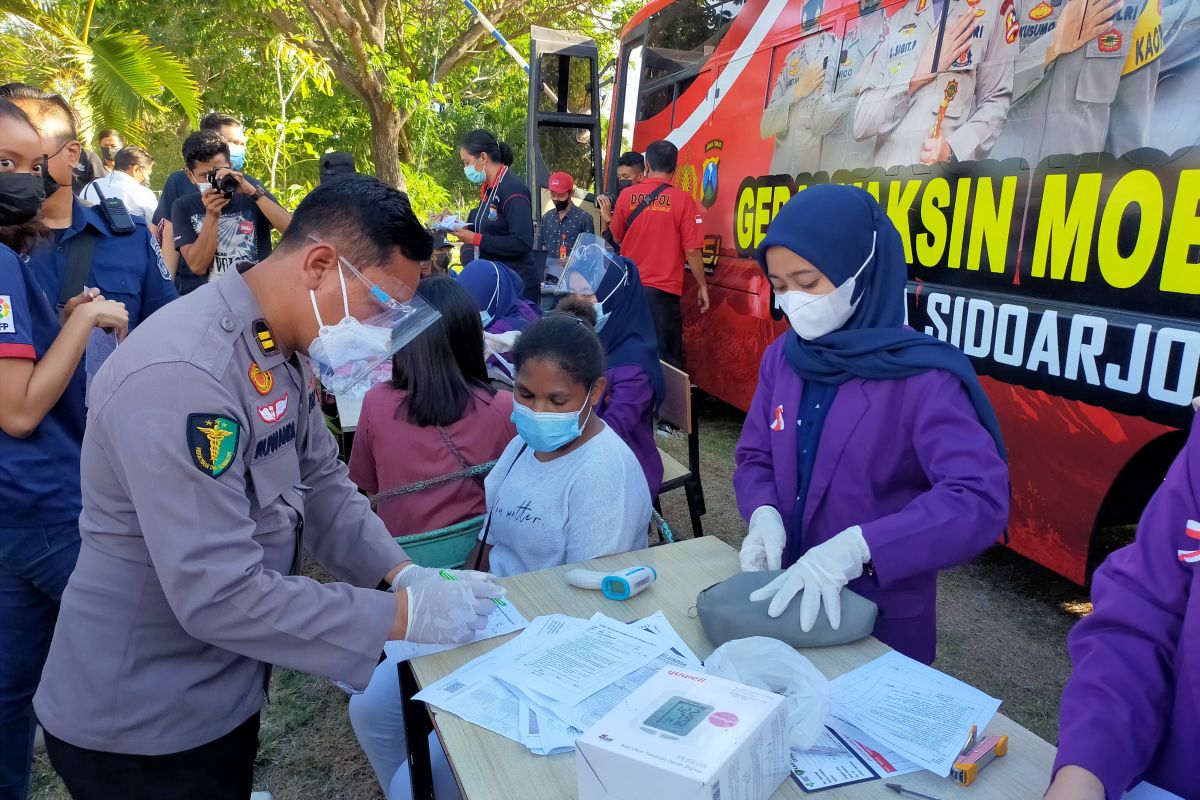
{"x":244,"y":233}
{"x":177,"y":186}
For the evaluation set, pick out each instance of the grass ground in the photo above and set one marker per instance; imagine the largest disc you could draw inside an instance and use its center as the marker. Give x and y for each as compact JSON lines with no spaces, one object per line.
{"x":1002,"y":627}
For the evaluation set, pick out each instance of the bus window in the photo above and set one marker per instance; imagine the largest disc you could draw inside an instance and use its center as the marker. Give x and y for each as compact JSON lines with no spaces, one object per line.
{"x":569,"y":150}
{"x":570,"y":78}
{"x":633,"y":78}
{"x":655,"y":101}
{"x":684,"y":35}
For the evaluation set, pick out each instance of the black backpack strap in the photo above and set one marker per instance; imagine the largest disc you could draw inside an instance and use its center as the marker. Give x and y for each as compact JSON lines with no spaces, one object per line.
{"x":487,"y":523}
{"x":79,"y":265}
{"x":647,"y":201}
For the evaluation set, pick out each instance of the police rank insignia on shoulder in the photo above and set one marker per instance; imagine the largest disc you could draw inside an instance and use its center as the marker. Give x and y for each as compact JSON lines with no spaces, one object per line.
{"x":264,"y":337}
{"x":212,"y":442}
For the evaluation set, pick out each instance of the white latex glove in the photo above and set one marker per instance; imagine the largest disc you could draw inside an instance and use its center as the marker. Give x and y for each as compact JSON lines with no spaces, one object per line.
{"x":763,"y":546}
{"x":413,"y":575}
{"x":820,"y":574}
{"x":497,"y":343}
{"x":449,"y":612}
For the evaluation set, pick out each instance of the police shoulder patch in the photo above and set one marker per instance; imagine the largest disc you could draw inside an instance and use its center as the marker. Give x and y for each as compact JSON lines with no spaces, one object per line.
{"x":212,"y":442}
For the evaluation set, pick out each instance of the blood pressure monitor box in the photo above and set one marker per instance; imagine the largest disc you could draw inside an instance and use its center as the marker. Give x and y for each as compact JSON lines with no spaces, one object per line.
{"x":686,"y":736}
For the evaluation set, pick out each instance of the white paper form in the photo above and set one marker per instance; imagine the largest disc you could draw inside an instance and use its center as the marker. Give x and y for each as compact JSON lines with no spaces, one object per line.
{"x":588,"y":712}
{"x":544,"y":736}
{"x":576,"y":664}
{"x":883,"y":761}
{"x":924,"y":715}
{"x":472,"y":693}
{"x":504,"y":619}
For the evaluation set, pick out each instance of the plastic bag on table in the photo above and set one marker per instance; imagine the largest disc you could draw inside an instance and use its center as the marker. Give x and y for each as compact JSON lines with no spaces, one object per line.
{"x":772,"y":665}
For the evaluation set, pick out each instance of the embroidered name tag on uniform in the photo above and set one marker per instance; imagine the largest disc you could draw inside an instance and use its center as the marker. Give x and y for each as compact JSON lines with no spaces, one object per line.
{"x":275,"y":441}
{"x":212,"y":442}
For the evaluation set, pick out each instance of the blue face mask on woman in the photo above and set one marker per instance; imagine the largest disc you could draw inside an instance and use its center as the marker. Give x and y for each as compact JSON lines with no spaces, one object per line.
{"x":474,"y":175}
{"x":548,"y":431}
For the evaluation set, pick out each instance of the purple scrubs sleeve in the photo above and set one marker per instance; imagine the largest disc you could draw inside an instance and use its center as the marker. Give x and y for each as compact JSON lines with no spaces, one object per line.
{"x":906,"y":459}
{"x":1131,"y":710}
{"x":628,"y":408}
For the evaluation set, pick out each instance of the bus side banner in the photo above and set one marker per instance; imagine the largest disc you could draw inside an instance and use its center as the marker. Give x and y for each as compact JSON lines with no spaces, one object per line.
{"x":1015,"y":266}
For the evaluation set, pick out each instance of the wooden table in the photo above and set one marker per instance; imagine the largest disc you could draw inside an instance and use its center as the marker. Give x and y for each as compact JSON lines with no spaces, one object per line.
{"x":490,"y":766}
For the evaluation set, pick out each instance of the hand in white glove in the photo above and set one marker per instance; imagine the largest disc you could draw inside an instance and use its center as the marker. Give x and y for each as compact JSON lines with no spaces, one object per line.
{"x":820,"y":574}
{"x":413,"y":575}
{"x":497,"y":343}
{"x":449,"y":612}
{"x":763,"y":546}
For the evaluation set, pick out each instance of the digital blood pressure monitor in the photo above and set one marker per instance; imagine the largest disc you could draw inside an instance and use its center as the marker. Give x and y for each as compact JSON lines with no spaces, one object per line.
{"x":677,"y":718}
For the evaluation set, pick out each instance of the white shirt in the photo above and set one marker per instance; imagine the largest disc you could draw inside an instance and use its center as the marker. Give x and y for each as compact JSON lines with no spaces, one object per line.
{"x":589,"y":503}
{"x":137,"y":198}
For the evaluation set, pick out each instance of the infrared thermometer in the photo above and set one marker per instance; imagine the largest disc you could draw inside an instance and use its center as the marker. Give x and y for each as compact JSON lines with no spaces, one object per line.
{"x":620,"y":585}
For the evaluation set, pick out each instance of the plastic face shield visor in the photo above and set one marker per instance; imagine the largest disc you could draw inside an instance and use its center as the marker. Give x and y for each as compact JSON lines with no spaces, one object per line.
{"x":590,"y":266}
{"x":389,"y":317}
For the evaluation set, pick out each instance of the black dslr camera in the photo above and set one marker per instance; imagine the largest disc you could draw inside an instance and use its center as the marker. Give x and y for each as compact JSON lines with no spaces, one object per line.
{"x":227,"y":184}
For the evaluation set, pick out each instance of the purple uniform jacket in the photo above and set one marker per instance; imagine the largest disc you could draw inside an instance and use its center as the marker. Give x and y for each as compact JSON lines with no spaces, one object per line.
{"x":906,"y":459}
{"x":1131,"y":710}
{"x":628,"y":408}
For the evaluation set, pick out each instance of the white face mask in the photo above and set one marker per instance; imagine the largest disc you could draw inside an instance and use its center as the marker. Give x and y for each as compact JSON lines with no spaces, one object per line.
{"x":338,"y":349}
{"x":815,"y":315}
{"x":204,"y":187}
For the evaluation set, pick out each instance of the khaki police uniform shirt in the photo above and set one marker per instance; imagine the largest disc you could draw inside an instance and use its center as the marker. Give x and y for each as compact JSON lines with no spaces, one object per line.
{"x":983,"y":80}
{"x":1096,"y":98}
{"x":205,"y":456}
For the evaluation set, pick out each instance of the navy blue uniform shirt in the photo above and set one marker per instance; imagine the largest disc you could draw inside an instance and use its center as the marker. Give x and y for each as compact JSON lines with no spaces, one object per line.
{"x":128,"y":269}
{"x":39,"y":475}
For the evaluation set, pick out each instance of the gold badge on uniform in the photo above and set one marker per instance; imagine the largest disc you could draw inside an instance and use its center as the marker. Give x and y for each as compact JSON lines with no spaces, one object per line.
{"x":264,"y":337}
{"x":1040,"y":11}
{"x":263,"y":382}
{"x":922,"y":5}
{"x":212,"y":442}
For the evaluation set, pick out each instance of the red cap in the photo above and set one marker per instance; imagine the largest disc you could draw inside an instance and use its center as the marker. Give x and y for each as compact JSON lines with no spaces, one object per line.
{"x":561,"y":183}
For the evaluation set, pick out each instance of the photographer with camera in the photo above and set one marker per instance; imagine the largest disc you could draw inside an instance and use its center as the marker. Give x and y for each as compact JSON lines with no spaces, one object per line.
{"x":229,"y":222}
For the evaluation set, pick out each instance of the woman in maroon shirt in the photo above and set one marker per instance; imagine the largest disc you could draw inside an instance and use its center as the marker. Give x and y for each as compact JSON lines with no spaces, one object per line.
{"x":438,"y":415}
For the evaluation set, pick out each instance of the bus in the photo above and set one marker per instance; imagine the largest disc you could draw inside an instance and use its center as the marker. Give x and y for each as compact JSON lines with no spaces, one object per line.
{"x":1046,"y":185}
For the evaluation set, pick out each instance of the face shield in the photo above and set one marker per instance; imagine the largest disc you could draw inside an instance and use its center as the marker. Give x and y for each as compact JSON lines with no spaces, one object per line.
{"x":354,"y":354}
{"x":590,"y":268}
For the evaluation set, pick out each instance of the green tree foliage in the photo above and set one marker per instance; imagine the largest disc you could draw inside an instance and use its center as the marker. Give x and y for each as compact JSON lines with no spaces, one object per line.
{"x":114,"y":78}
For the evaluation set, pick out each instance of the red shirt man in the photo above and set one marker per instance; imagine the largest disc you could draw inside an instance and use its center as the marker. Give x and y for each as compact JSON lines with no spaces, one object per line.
{"x":663,"y":237}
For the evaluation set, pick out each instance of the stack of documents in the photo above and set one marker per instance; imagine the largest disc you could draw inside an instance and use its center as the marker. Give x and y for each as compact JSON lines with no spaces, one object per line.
{"x":923,"y":715}
{"x":561,"y":675}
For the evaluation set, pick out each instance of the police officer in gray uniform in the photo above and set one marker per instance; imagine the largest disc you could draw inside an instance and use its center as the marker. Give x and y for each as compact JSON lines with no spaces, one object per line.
{"x":1085,"y":79}
{"x":920,"y":112}
{"x":206,"y":466}
{"x":839,"y":148}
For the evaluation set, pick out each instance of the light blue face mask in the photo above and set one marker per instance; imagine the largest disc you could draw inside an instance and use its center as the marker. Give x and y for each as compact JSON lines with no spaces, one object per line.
{"x":237,"y":157}
{"x":548,"y":431}
{"x":486,"y":318}
{"x":474,"y":175}
{"x":601,"y":315}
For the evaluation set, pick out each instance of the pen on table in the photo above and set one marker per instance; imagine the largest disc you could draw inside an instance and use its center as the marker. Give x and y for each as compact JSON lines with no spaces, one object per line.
{"x":825,"y":751}
{"x":448,"y":576}
{"x":898,"y":789}
{"x":972,"y":738}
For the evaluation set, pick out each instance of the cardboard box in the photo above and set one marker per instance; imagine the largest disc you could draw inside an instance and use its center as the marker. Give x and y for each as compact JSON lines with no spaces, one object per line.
{"x":686,"y":736}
